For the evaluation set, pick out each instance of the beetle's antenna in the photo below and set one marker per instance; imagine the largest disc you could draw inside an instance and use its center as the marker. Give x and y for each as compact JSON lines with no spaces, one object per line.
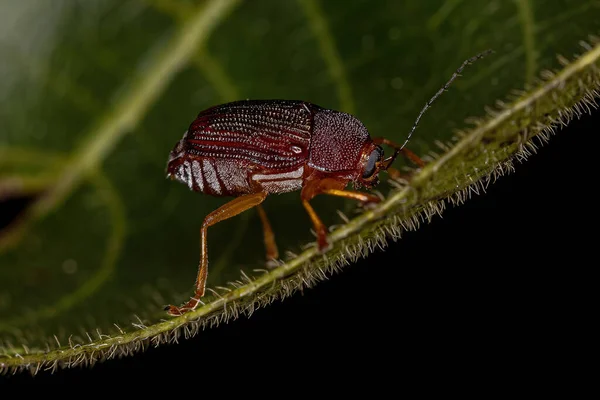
{"x":442,"y":90}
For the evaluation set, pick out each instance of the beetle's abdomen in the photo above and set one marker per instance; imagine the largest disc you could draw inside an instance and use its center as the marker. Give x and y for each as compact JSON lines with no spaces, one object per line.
{"x":218,"y":177}
{"x":210,"y":176}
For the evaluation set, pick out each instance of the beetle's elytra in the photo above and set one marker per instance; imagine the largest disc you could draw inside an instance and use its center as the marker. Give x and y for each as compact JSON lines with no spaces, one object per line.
{"x":249,"y":149}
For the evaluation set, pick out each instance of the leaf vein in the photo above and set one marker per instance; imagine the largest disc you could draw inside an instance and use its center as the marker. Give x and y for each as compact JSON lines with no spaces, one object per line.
{"x":318,"y":25}
{"x":137,"y":100}
{"x":528,"y":24}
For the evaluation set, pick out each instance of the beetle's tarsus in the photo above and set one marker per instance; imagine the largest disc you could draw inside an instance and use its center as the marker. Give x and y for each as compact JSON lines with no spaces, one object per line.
{"x":177,"y":311}
{"x":174,"y":311}
{"x":372,"y":201}
{"x":325,"y":247}
{"x":322,"y":243}
{"x":185,"y":308}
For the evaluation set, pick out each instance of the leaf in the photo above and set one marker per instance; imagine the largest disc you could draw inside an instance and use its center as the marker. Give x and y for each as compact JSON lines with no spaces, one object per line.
{"x":102,"y":90}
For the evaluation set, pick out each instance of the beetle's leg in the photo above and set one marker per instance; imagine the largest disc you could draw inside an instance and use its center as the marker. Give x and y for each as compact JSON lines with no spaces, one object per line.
{"x":270,"y":245}
{"x":394,"y":173}
{"x":415,"y":159}
{"x":226,"y":211}
{"x":412,"y":157}
{"x":332,"y":187}
{"x":320,"y":228}
{"x":364,"y":198}
{"x":312,"y":188}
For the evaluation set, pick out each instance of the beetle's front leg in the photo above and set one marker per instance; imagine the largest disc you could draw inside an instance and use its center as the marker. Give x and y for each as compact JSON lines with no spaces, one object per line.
{"x":415,"y":159}
{"x":364,"y":198}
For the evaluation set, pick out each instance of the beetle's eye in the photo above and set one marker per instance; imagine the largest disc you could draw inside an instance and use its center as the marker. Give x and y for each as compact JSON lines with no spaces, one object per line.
{"x":375,"y":156}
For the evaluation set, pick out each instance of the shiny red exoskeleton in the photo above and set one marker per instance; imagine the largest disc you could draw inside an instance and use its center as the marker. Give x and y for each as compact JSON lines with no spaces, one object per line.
{"x":249,"y":149}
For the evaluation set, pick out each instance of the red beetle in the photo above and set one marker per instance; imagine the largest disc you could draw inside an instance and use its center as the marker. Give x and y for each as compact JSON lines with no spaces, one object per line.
{"x":249,"y":149}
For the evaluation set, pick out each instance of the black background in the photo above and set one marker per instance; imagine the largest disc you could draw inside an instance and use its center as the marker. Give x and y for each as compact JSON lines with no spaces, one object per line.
{"x":499,"y":288}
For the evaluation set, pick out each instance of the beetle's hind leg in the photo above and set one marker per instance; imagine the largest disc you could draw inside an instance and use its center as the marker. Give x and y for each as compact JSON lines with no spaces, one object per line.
{"x":269,"y":237}
{"x":226,"y":211}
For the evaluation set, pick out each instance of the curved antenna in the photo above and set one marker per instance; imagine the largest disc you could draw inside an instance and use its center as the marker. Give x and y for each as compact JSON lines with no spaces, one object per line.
{"x":442,"y":90}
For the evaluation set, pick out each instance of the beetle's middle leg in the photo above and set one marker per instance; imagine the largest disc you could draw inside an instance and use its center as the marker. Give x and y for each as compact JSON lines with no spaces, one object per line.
{"x":332,"y":187}
{"x":269,"y":237}
{"x":226,"y":211}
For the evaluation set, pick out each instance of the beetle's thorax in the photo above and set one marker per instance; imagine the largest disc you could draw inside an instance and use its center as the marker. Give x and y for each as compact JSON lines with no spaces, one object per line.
{"x":337,"y":142}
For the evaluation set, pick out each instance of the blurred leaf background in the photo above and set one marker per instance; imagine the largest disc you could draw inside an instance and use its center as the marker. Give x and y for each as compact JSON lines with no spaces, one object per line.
{"x":96,"y":93}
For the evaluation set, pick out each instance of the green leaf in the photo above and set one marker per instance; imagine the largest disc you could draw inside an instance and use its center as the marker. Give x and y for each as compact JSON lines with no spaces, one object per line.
{"x":97,"y":93}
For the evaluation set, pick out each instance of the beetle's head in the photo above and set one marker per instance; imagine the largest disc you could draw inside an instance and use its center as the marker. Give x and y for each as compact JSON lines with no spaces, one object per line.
{"x":372,"y":162}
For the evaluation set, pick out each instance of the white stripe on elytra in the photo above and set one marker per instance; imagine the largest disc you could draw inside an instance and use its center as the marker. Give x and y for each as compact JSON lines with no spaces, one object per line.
{"x":286,"y":175}
{"x":288,"y":185}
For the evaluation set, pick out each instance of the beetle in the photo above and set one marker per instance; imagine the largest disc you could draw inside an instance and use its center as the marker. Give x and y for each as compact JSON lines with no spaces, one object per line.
{"x":252,"y":148}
